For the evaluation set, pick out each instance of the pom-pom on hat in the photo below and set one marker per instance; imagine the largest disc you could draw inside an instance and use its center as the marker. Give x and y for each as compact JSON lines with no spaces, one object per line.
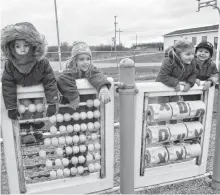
{"x":80,"y":48}
{"x":206,"y":45}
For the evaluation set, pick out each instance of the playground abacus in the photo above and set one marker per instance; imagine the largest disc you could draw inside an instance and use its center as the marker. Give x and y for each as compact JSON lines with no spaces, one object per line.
{"x":76,"y":152}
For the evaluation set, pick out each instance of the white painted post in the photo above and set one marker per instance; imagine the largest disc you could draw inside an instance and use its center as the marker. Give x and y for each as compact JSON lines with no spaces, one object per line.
{"x":127,"y":77}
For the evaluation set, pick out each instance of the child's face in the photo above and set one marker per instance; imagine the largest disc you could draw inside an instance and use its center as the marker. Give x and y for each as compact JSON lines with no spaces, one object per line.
{"x":83,"y":61}
{"x":187,"y":56}
{"x":21,"y":47}
{"x":203,"y":54}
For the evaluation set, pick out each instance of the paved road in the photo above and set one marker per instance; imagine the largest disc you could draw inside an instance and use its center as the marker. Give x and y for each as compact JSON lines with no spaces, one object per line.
{"x":56,"y":65}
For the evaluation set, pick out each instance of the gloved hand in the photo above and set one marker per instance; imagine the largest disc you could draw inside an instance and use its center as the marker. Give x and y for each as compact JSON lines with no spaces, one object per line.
{"x":177,"y":88}
{"x":207,"y":85}
{"x":13,"y":114}
{"x":51,"y":110}
{"x":104,"y":92}
{"x":198,"y":82}
{"x":74,"y":104}
{"x":186,"y":87}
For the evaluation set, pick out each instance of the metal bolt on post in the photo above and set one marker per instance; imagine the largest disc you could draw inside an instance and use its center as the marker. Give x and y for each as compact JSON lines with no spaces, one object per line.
{"x":126,"y":96}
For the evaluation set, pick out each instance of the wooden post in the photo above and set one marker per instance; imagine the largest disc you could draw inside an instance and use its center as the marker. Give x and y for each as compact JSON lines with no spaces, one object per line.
{"x":126,"y":95}
{"x":103,"y":142}
{"x":16,"y":132}
{"x":9,"y":151}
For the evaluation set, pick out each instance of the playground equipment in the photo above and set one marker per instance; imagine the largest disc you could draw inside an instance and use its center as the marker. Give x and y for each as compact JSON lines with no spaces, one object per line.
{"x":159,"y":143}
{"x":76,"y":152}
{"x":168,"y":153}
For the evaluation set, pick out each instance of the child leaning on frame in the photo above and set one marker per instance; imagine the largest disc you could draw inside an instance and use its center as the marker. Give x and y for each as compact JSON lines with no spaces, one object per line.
{"x":80,"y":66}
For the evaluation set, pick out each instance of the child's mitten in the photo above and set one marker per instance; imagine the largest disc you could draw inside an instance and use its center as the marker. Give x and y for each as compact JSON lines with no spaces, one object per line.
{"x":74,"y":104}
{"x":13,"y":114}
{"x":186,"y":87}
{"x":177,"y":88}
{"x":207,"y":85}
{"x":104,"y":92}
{"x":198,"y":82}
{"x":51,"y":110}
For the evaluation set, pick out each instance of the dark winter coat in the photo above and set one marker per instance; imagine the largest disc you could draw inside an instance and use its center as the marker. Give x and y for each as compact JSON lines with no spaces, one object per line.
{"x":173,"y":71}
{"x":38,"y":72}
{"x":67,"y":81}
{"x":208,"y":71}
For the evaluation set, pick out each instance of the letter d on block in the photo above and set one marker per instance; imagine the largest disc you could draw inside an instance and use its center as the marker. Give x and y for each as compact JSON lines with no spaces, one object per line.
{"x":126,"y":96}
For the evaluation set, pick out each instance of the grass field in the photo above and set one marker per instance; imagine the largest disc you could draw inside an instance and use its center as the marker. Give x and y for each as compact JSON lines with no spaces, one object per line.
{"x":199,"y":186}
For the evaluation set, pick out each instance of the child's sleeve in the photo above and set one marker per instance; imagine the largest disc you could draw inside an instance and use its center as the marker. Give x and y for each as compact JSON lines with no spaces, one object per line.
{"x":165,"y":73}
{"x":214,"y":74}
{"x":9,"y":88}
{"x":192,"y":77}
{"x":67,"y":85}
{"x":97,"y":79}
{"x":49,"y":83}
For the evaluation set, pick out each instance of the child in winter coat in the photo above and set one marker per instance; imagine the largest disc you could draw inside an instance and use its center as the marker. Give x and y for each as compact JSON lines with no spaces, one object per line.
{"x":206,"y":69}
{"x":177,"y":67}
{"x":25,"y":65}
{"x":80,"y":66}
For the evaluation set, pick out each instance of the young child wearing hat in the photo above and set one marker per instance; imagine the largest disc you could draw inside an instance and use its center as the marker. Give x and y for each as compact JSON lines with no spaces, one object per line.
{"x":206,"y":69}
{"x":80,"y":66}
{"x":25,"y":65}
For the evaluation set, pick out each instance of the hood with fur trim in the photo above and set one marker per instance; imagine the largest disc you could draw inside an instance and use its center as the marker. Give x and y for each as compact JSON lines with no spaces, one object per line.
{"x":22,"y":31}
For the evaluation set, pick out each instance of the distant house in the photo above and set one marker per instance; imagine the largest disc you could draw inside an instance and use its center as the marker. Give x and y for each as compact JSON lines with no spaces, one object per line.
{"x":194,"y":35}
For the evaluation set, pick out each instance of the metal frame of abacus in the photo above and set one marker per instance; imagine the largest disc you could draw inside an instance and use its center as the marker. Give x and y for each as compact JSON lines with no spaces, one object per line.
{"x":181,"y":169}
{"x":97,"y":176}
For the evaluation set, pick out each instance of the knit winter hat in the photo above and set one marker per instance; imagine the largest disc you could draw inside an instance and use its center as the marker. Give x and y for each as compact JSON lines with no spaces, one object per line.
{"x":80,"y":48}
{"x":206,"y":45}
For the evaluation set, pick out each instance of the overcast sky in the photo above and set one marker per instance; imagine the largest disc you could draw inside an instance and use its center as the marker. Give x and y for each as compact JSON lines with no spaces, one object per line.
{"x":92,"y":21}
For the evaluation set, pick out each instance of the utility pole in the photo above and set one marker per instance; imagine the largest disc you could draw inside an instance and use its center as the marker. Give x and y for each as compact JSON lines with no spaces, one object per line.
{"x":119,"y":31}
{"x":216,"y":164}
{"x":136,"y":40}
{"x":58,"y":38}
{"x":115,"y":32}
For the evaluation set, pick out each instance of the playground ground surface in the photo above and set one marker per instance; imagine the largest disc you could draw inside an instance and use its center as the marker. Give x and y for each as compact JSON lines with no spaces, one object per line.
{"x":198,"y":186}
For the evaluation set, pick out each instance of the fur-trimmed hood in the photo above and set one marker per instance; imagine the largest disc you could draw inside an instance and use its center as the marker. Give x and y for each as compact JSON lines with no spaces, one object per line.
{"x":25,"y":31}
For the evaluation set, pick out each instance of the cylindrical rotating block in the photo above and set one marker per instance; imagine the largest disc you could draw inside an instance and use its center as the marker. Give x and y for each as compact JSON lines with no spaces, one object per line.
{"x":177,"y":131}
{"x":180,"y":110}
{"x":192,"y":150}
{"x":159,"y":112}
{"x":176,"y":152}
{"x":157,"y":134}
{"x":156,"y":155}
{"x":194,"y":129}
{"x":197,"y":108}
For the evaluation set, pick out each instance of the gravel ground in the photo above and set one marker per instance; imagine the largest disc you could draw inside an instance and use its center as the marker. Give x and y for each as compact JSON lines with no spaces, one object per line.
{"x":198,"y":186}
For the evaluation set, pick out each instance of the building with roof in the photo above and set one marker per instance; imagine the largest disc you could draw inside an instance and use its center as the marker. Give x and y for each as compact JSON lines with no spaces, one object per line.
{"x":194,"y":35}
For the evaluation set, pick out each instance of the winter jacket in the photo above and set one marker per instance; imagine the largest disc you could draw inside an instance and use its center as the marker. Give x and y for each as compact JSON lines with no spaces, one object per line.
{"x":173,"y":71}
{"x":27,"y":74}
{"x":40,"y":73}
{"x":208,"y":71}
{"x":67,"y":81}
